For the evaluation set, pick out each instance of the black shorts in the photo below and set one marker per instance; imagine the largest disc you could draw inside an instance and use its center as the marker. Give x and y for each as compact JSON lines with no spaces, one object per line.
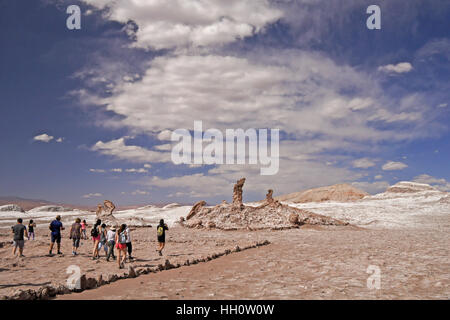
{"x":162,"y":239}
{"x":56,"y":238}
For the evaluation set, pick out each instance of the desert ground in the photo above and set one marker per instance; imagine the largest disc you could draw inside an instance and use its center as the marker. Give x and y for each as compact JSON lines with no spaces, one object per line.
{"x":404,"y":235}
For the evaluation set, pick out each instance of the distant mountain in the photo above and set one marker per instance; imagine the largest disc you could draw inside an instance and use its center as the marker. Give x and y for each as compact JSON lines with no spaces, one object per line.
{"x":337,"y":192}
{"x":26,"y":204}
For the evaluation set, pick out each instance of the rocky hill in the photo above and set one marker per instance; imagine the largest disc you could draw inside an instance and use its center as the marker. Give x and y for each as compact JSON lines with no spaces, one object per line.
{"x":337,"y":192}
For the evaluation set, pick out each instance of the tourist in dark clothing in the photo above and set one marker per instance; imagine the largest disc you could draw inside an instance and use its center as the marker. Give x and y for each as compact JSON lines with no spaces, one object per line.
{"x":31,"y":231}
{"x":75,"y":235}
{"x":19,"y":230}
{"x":55,"y":227}
{"x":161,"y":233}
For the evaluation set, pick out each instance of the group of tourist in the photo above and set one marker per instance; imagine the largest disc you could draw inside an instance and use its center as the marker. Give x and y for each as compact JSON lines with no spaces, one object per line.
{"x":103,"y":236}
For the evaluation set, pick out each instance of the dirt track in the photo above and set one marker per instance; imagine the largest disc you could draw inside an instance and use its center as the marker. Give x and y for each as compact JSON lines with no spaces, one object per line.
{"x":319,"y":263}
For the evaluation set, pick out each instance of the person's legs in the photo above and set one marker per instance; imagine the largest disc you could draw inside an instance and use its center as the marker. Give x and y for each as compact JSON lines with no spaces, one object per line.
{"x":130,"y":249}
{"x":119,"y":254}
{"x":124,"y":255}
{"x":108,"y":255}
{"x":21,"y":245}
{"x":58,"y":244}
{"x":95,"y":250}
{"x":14,"y":248}
{"x":52,"y":243}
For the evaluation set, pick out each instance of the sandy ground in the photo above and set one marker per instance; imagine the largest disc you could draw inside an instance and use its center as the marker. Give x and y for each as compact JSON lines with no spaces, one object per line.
{"x":37,"y":269}
{"x":306,"y":263}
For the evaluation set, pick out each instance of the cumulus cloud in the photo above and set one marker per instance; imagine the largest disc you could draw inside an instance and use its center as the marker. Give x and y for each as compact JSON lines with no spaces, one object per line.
{"x":305,"y":89}
{"x":118,"y":149}
{"x":166,"y":24}
{"x":363,"y":163}
{"x":402,"y":67}
{"x":92,"y":195}
{"x":393,"y":165}
{"x":439,"y":183}
{"x":43,"y":138}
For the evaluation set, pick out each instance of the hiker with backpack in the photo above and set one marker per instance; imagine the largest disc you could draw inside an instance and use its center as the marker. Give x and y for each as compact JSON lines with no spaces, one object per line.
{"x":102,"y":242}
{"x":161,"y":233}
{"x":121,"y":245}
{"x":95,"y":233}
{"x":129,"y":245}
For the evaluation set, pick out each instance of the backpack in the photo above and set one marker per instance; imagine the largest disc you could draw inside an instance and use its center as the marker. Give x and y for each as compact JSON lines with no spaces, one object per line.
{"x":160,"y":231}
{"x":122,"y":238}
{"x":94,"y":232}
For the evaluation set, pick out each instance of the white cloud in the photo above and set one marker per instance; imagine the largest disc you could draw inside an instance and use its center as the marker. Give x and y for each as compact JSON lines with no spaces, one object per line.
{"x":59,"y":140}
{"x":117,"y":170}
{"x":378,"y":177}
{"x":92,"y":195}
{"x":392,"y":165}
{"x":443,"y":105}
{"x":402,"y":67}
{"x":97,"y":170}
{"x":118,"y":149}
{"x":438,"y":183}
{"x":43,"y":138}
{"x":165,"y":24}
{"x":165,"y":135}
{"x":363,"y":163}
{"x":140,"y":170}
{"x":140,"y":193}
{"x":147,"y":165}
{"x":305,"y":88}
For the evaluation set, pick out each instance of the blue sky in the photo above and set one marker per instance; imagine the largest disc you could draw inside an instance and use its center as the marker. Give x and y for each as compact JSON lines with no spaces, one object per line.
{"x":369,"y":107}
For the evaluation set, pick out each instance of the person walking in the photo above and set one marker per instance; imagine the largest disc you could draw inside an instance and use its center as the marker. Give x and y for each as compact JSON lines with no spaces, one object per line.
{"x":95,"y":233}
{"x":121,"y":245}
{"x":19,"y":242}
{"x":102,"y":242}
{"x":129,"y":244}
{"x":31,"y":227}
{"x":161,"y":234}
{"x":84,"y":226}
{"x":75,"y":235}
{"x":110,"y":242}
{"x":55,"y":227}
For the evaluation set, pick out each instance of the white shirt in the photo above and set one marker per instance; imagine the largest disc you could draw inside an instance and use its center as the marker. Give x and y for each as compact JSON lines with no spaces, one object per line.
{"x":110,"y":235}
{"x":128,"y":235}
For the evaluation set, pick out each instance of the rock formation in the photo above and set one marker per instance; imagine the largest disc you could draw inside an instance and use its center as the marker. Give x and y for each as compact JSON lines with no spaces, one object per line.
{"x":270,"y":215}
{"x":237,"y":194}
{"x":195,"y":209}
{"x":338,"y":192}
{"x":11,"y":207}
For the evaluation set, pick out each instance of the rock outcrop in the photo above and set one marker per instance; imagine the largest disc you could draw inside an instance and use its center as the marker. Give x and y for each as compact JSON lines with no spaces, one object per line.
{"x":11,"y":208}
{"x":409,"y":187}
{"x":237,"y":194}
{"x":50,"y":209}
{"x":270,"y":215}
{"x":195,"y":209}
{"x":338,"y":192}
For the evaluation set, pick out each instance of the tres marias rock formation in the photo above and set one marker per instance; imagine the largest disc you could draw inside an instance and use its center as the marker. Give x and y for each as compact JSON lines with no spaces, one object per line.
{"x":270,"y":215}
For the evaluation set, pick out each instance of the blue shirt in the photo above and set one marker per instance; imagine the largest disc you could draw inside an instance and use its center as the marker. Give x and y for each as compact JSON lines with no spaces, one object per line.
{"x":56,"y":226}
